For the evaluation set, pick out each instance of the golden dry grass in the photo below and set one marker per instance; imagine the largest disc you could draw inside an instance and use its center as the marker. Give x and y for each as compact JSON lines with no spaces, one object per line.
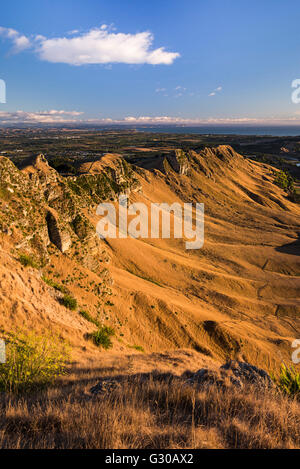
{"x":155,"y":410}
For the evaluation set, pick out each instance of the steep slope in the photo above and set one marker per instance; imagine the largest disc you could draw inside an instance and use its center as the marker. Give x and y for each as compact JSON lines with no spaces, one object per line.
{"x":237,"y":296}
{"x":239,"y":293}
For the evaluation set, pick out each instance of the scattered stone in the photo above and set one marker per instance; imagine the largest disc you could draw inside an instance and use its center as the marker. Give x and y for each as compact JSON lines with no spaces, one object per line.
{"x":105,"y":386}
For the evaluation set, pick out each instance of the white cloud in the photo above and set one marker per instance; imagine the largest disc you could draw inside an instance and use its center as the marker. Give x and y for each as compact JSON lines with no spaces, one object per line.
{"x":217,"y":90}
{"x":75,"y":117}
{"x":20,"y":42}
{"x":43,"y":117}
{"x":152,"y":120}
{"x":97,"y":46}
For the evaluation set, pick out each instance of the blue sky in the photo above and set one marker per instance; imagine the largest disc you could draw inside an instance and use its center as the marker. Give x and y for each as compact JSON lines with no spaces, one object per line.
{"x":191,"y":61}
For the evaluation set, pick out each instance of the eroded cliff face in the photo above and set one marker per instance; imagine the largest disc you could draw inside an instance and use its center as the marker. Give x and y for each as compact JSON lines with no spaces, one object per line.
{"x":178,"y":162}
{"x":58,"y":234}
{"x":52,"y":220}
{"x":37,"y":191}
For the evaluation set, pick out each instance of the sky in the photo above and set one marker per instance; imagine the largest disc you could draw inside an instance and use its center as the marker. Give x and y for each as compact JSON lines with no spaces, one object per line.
{"x":158,"y":61}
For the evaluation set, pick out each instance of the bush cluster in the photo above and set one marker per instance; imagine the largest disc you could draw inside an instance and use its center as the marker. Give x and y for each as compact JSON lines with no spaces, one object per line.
{"x":32,"y":361}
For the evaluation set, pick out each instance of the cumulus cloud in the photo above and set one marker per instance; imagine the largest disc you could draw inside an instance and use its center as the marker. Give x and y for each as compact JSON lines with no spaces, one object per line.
{"x":97,"y":46}
{"x":20,"y":42}
{"x":43,"y":117}
{"x":152,"y":120}
{"x":61,"y":117}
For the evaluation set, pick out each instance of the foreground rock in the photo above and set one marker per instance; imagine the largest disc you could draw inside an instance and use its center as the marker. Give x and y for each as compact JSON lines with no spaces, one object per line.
{"x":105,"y":386}
{"x":233,"y":373}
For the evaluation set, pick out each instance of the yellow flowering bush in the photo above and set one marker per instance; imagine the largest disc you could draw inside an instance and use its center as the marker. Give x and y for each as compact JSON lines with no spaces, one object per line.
{"x":32,"y":361}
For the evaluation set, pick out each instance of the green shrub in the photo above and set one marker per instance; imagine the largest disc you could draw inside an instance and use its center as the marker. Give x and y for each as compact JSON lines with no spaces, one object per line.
{"x":54,"y":284}
{"x":285,"y":181}
{"x":288,"y":381}
{"x":69,"y":302}
{"x":32,"y":362}
{"x":28,"y":261}
{"x":102,"y":337}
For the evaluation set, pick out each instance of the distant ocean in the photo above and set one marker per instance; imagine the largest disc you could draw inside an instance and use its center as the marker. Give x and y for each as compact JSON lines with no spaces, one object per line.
{"x":276,"y":131}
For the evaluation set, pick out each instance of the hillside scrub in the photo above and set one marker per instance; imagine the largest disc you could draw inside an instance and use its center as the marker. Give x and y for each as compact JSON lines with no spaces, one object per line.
{"x":32,"y":361}
{"x":28,"y":261}
{"x":102,"y":337}
{"x":284,"y":181}
{"x":69,"y":302}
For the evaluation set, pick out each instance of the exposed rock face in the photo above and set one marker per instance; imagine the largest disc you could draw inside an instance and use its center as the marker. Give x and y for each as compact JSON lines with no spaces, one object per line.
{"x":105,"y":178}
{"x":248,"y":373}
{"x":58,"y":234}
{"x":179,"y":162}
{"x":233,"y":373}
{"x":50,"y":207}
{"x":182,"y":161}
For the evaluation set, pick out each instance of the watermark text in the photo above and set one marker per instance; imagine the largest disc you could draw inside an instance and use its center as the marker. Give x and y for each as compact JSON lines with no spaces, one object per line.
{"x":159,"y":221}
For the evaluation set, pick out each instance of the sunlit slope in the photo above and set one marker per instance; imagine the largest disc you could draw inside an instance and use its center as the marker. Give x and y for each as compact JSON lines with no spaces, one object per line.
{"x":236,"y":295}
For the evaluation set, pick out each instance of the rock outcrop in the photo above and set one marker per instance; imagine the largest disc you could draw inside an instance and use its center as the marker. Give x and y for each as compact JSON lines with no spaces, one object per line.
{"x":233,"y":373}
{"x":58,"y":234}
{"x":177,"y":162}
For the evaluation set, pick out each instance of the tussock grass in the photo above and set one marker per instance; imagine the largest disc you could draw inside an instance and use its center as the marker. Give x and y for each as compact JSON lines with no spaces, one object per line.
{"x":152,"y":411}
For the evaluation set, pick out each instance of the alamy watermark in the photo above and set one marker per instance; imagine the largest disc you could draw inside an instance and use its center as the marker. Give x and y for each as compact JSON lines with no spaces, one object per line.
{"x":2,"y":92}
{"x":181,"y":221}
{"x":296,"y":353}
{"x":2,"y":351}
